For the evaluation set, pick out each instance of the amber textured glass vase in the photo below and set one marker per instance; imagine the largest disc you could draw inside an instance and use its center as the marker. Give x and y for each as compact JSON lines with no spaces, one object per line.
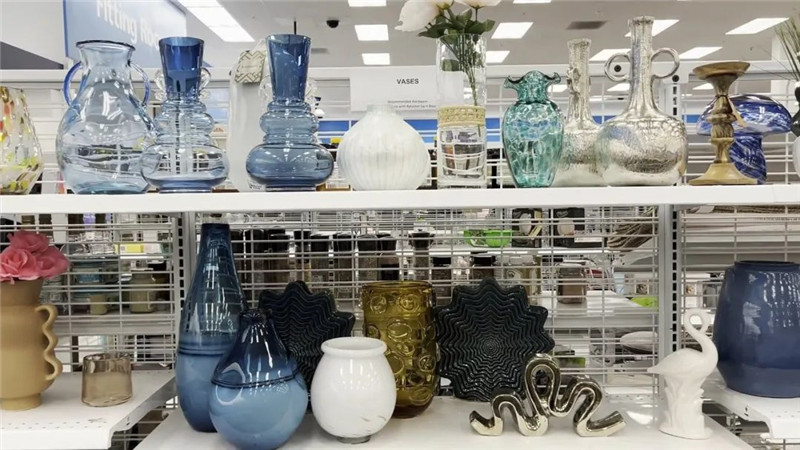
{"x":400,"y":314}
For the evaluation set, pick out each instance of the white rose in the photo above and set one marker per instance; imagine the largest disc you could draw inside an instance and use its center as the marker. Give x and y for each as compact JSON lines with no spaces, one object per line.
{"x":417,"y":14}
{"x":478,"y":3}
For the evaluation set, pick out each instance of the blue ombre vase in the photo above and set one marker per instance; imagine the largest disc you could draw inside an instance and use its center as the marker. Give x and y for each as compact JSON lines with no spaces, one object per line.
{"x":259,"y":396}
{"x":763,"y":116}
{"x":290,"y":158}
{"x":208,"y":323}
{"x":183,"y":158}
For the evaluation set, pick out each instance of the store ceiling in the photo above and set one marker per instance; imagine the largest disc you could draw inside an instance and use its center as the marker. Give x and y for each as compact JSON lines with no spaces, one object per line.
{"x":701,"y":23}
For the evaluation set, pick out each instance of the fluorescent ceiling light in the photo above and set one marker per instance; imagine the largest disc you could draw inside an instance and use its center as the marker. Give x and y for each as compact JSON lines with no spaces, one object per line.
{"x":699,"y":52}
{"x":372,"y":32}
{"x":496,"y":56}
{"x":704,"y":87}
{"x":556,"y":88}
{"x":532,"y":1}
{"x":365,"y":3}
{"x":622,"y":87}
{"x":757,"y":25}
{"x":604,"y":54}
{"x":511,"y":30}
{"x":376,"y":59}
{"x":217,"y":19}
{"x":659,"y":25}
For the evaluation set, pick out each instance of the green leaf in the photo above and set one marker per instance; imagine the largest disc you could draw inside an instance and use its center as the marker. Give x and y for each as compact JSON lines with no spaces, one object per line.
{"x":488,"y":25}
{"x":450,"y":65}
{"x":475,"y":28}
{"x":466,"y":15}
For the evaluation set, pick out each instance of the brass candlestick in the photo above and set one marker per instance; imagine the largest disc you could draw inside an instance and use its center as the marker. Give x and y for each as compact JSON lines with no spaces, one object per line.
{"x":722,"y":171}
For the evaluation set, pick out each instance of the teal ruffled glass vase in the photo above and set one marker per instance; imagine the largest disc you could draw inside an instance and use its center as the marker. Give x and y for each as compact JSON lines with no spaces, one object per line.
{"x":533,"y":131}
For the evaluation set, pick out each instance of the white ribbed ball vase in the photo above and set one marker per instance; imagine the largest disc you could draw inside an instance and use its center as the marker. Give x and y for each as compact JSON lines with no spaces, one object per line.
{"x":382,"y":152}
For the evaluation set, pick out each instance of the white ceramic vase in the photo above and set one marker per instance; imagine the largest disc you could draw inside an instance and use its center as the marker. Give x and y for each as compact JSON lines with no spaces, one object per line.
{"x":353,"y":392}
{"x":382,"y":152}
{"x":684,"y":372}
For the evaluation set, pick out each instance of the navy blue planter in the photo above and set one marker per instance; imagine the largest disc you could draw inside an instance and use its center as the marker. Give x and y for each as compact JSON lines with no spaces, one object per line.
{"x":757,"y":328}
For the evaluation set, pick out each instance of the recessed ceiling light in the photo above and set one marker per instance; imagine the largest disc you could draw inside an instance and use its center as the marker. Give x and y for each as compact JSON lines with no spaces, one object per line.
{"x":511,"y":30}
{"x":621,"y":87}
{"x":659,"y":26}
{"x":699,"y":52}
{"x":217,"y":19}
{"x":757,"y":25}
{"x":556,"y":88}
{"x":496,"y":56}
{"x":532,"y":1}
{"x":376,"y":59}
{"x":365,"y":3}
{"x":372,"y":32}
{"x":704,"y":87}
{"x":604,"y":54}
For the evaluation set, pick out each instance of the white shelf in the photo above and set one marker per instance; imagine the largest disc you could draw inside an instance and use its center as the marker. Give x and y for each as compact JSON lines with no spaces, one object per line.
{"x":602,"y":309}
{"x":421,"y":199}
{"x":63,"y":422}
{"x":446,"y":425}
{"x":781,"y":415}
{"x":115,"y":324}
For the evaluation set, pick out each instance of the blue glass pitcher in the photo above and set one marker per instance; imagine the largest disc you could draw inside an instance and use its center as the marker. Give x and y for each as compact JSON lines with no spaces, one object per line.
{"x":290,"y":158}
{"x":101,"y":136}
{"x":184,"y":158}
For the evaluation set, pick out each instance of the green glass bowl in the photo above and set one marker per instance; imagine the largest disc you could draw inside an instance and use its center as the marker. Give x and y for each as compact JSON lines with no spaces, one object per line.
{"x":488,"y":238}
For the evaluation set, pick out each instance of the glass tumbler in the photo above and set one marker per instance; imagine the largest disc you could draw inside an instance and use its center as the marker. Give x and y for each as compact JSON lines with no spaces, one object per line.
{"x":107,"y":379}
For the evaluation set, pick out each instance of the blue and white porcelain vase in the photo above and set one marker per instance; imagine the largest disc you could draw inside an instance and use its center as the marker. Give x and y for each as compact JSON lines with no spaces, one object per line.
{"x":290,"y":158}
{"x":757,"y":328}
{"x":208,"y":323}
{"x":183,"y":158}
{"x":259,"y":396}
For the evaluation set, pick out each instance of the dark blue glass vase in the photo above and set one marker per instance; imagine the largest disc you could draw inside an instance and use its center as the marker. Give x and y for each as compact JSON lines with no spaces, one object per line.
{"x":259,"y":397}
{"x":763,"y":116}
{"x":290,"y":158}
{"x":208,"y":323}
{"x":183,"y":158}
{"x":757,"y":328}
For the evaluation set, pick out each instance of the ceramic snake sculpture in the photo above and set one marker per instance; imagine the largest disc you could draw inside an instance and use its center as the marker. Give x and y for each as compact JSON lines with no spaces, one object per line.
{"x":548,"y":404}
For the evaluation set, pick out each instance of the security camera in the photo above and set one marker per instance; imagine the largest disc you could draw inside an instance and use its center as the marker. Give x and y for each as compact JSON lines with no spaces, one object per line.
{"x":332,"y":23}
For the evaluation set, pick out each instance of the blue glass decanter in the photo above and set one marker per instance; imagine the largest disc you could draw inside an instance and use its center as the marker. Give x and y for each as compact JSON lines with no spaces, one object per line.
{"x":259,"y":396}
{"x":762,"y":116}
{"x":533,"y":131}
{"x":290,"y":158}
{"x":208,"y":323}
{"x":183,"y":158}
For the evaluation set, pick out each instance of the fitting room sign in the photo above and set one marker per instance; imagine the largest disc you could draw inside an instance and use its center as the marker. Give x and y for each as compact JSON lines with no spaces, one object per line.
{"x":411,"y":88}
{"x":139,"y":23}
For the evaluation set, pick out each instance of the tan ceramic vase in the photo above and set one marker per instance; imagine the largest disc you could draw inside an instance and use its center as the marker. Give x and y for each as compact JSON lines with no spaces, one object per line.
{"x":28,"y":364}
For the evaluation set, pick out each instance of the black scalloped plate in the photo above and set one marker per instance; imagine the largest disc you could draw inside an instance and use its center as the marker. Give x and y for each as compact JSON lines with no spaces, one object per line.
{"x":486,"y":335}
{"x":304,"y":320}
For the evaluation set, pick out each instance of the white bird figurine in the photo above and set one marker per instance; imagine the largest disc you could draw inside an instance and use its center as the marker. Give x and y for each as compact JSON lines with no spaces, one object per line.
{"x":684,"y":372}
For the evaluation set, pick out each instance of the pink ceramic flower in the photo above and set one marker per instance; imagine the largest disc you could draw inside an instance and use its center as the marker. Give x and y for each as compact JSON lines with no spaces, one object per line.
{"x":51,"y":263}
{"x":18,"y":263}
{"x":35,"y":243}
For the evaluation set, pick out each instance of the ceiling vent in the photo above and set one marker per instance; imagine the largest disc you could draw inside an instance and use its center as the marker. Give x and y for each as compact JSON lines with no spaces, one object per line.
{"x":586,"y":25}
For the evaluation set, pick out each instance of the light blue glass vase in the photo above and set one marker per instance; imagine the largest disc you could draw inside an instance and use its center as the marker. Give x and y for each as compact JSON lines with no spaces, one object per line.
{"x":184,"y":158}
{"x":208,"y":323}
{"x":259,"y":397}
{"x":533,"y":131}
{"x":290,"y":158}
{"x":100,"y":139}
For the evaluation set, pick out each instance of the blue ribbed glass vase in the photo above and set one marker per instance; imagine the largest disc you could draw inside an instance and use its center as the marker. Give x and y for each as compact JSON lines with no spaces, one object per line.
{"x":290,"y":158}
{"x":533,"y":131}
{"x":762,"y":116}
{"x":208,"y":323}
{"x":183,"y":158}
{"x":259,"y":396}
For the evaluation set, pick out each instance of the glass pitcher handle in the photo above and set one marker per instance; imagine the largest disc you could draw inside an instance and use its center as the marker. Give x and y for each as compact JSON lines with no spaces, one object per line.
{"x":675,"y":59}
{"x":611,"y":75}
{"x":205,"y":78}
{"x":71,"y":73}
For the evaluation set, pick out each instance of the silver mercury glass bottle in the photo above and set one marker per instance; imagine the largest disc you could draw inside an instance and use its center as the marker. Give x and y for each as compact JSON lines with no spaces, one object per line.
{"x":578,"y":163}
{"x":642,"y":146}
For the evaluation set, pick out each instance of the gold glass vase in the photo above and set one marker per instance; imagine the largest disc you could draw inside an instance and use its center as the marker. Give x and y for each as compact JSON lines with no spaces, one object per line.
{"x":400,"y":314}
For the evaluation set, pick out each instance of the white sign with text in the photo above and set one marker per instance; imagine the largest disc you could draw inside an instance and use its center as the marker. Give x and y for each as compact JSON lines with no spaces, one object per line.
{"x":411,"y":88}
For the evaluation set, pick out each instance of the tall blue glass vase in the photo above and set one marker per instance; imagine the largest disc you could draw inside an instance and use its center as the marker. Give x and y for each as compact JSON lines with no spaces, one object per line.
{"x":208,"y":323}
{"x":290,"y":158}
{"x":183,"y":158}
{"x":259,"y":396}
